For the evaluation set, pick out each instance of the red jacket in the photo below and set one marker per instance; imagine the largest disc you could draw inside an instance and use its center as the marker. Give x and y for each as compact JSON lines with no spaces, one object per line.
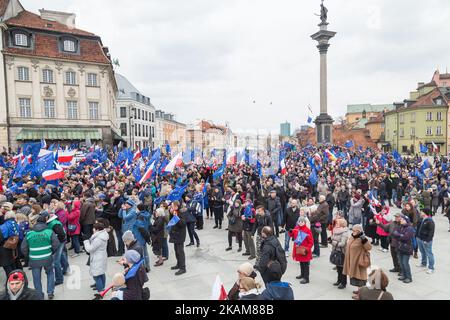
{"x":308,"y":243}
{"x":74,"y":218}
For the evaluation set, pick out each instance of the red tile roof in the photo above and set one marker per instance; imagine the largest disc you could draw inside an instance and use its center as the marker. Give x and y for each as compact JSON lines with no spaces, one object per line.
{"x":28,"y":19}
{"x":46,"y":46}
{"x":3,"y":5}
{"x":428,"y":99}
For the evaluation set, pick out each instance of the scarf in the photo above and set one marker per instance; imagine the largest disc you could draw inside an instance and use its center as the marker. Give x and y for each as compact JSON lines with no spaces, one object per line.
{"x":13,"y":296}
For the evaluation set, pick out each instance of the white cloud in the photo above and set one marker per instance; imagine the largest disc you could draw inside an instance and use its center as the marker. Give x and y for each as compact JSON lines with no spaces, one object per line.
{"x":211,"y":59}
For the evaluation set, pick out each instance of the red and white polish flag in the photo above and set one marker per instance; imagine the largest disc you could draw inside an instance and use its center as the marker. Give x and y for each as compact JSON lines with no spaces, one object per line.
{"x":218,"y":290}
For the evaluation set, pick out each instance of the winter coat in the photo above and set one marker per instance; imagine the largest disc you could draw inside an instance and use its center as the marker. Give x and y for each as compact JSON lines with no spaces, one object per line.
{"x":277,"y":290}
{"x":355,"y":211}
{"x":261,"y":222}
{"x":267,"y":254}
{"x":274,"y":207}
{"x":73,"y":217}
{"x":321,"y":214}
{"x":62,"y":217}
{"x":366,"y":293}
{"x":435,"y":199}
{"x":142,"y":222}
{"x":26,"y":294}
{"x":237,"y":226}
{"x":250,"y":295}
{"x":135,"y":284}
{"x":8,"y":229}
{"x":404,"y":235}
{"x":355,"y":248}
{"x":98,"y":258}
{"x":413,"y":216}
{"x":339,"y":239}
{"x":128,"y":219}
{"x":178,"y":232}
{"x":157,"y":234}
{"x":87,"y":212}
{"x":308,"y":243}
{"x":380,"y":231}
{"x":249,"y":222}
{"x":25,"y":248}
{"x":291,"y":217}
{"x":426,"y":199}
{"x":425,"y":229}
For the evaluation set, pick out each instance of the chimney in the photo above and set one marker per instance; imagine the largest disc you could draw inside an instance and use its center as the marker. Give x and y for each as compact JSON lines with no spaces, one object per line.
{"x":420,"y":84}
{"x":65,"y":18}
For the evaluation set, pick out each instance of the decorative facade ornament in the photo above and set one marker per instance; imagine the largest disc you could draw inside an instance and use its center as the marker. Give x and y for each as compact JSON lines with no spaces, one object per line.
{"x":103,"y":70}
{"x":81,"y":68}
{"x":35,"y":64}
{"x":59,"y":66}
{"x":48,"y":92}
{"x":71,"y":93}
{"x":9,"y":60}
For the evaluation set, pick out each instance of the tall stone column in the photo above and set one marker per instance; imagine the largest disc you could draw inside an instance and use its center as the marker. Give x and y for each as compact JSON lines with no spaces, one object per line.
{"x":324,"y":122}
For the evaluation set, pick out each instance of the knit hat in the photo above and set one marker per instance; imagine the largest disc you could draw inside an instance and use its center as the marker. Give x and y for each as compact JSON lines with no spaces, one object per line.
{"x":301,"y":219}
{"x":16,"y":276}
{"x":132,"y":256}
{"x":131,"y":202}
{"x":128,"y":236}
{"x":246,"y":268}
{"x":44,"y":214}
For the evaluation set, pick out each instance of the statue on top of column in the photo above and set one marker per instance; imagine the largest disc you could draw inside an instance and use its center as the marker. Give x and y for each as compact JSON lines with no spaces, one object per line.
{"x":323,"y":13}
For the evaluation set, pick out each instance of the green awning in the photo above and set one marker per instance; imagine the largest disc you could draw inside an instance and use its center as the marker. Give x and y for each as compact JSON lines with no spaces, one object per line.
{"x":59,"y":134}
{"x":116,"y":136}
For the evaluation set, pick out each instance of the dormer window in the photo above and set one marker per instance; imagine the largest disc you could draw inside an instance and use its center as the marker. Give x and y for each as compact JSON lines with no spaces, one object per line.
{"x":69,"y":45}
{"x":20,"y":38}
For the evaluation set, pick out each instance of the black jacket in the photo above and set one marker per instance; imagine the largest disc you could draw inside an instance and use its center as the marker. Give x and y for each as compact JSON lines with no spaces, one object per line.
{"x":178,"y":232}
{"x":27,"y":293}
{"x":135,"y":285}
{"x":291,"y":218}
{"x":425,"y":229}
{"x":274,"y":206}
{"x":261,"y":222}
{"x":268,"y":253}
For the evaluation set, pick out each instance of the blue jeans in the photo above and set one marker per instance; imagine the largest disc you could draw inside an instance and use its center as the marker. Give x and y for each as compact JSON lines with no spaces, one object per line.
{"x":37,"y":273}
{"x":100,"y":282}
{"x":394,"y":195}
{"x":286,"y":241}
{"x":426,"y":253}
{"x":76,"y":243}
{"x":403,"y":259}
{"x":374,"y":193}
{"x":165,"y":249}
{"x":57,"y":263}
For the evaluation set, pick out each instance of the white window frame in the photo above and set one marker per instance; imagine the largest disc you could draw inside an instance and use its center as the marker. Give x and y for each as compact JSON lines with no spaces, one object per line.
{"x":21,"y":39}
{"x":25,"y":107}
{"x":47,"y":76}
{"x":49,"y":108}
{"x":72,"y":109}
{"x":69,"y":45}
{"x":413,"y":131}
{"x":438,"y":130}
{"x":439,"y":116}
{"x":413,"y":117}
{"x":429,"y":116}
{"x":92,"y":80}
{"x":402,"y":132}
{"x":429,"y":131}
{"x":71,"y":78}
{"x":23,"y":74}
{"x":93,"y":110}
{"x":402,"y":118}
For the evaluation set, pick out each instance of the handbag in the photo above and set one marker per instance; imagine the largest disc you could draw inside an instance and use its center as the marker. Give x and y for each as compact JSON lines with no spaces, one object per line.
{"x":71,"y":227}
{"x":337,"y":257}
{"x":364,"y":259}
{"x":301,"y":250}
{"x":11,"y":243}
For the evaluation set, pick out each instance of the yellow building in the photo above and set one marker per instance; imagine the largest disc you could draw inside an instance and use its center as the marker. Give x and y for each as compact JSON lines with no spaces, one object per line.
{"x":357,"y":112}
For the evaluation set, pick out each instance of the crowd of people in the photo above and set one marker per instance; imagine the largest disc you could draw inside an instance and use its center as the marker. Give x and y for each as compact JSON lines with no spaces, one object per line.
{"x":319,"y":197}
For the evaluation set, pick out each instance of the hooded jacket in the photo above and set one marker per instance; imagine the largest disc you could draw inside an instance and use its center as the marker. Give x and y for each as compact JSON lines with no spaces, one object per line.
{"x":277,"y":290}
{"x":40,"y":227}
{"x":25,"y":294}
{"x":73,"y":217}
{"x":96,"y":247}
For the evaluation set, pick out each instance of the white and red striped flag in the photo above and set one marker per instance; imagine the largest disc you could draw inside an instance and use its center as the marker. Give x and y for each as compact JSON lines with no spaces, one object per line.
{"x":218,"y":290}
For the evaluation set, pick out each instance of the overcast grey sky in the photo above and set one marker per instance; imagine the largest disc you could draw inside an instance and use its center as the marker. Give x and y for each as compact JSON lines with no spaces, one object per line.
{"x":212,"y":58}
